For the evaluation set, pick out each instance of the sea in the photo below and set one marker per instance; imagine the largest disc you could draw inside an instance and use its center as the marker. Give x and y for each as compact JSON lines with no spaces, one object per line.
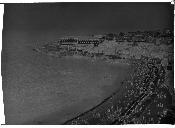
{"x":42,"y":89}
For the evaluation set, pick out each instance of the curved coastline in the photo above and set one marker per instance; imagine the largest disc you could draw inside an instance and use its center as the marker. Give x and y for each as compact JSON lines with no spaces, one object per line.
{"x":109,"y":112}
{"x":135,"y":96}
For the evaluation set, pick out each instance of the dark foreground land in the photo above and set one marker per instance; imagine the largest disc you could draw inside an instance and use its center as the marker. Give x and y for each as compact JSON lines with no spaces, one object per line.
{"x":145,"y":99}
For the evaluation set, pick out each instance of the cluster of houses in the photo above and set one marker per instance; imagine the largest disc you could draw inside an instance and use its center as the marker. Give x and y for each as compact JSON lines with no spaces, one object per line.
{"x":155,"y":37}
{"x":116,"y":46}
{"x":158,"y":36}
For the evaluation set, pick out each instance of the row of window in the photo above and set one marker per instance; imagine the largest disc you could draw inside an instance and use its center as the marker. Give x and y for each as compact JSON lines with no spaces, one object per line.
{"x":88,"y":41}
{"x":80,"y":41}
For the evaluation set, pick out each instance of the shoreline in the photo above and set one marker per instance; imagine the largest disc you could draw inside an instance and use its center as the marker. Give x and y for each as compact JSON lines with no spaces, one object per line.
{"x":142,"y":100}
{"x":96,"y":115}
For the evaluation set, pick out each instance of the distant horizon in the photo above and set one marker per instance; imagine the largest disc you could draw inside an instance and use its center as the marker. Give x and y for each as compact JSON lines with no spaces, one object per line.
{"x":87,"y":18}
{"x":87,"y":33}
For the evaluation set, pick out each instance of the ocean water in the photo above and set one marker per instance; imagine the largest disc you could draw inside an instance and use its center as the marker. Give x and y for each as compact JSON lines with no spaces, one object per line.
{"x":40,"y":89}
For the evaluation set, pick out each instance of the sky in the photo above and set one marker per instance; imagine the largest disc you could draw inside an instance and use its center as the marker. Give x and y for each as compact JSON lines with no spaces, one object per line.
{"x":88,"y":17}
